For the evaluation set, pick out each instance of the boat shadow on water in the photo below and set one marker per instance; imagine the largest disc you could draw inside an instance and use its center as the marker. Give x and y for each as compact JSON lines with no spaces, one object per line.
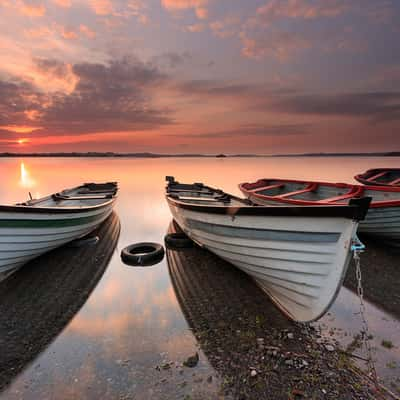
{"x":258,"y":352}
{"x":39,"y":300}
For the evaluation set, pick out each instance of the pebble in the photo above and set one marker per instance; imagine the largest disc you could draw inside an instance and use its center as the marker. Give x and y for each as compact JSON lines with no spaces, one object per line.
{"x":290,"y":335}
{"x":253,"y":373}
{"x":329,"y":347}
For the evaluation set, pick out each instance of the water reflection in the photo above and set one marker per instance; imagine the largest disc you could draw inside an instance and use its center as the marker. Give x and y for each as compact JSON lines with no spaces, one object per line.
{"x":25,"y":180}
{"x":39,"y":300}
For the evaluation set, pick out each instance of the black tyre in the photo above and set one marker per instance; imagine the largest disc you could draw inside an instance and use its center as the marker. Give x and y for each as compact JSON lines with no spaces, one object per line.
{"x":178,"y":240}
{"x":142,"y":254}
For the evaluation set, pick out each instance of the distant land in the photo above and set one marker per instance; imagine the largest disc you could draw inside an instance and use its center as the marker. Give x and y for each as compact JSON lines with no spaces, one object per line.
{"x":193,"y":155}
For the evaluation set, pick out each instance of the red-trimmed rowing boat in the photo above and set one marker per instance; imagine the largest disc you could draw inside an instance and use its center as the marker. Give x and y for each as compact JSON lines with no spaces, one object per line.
{"x":383,"y":218}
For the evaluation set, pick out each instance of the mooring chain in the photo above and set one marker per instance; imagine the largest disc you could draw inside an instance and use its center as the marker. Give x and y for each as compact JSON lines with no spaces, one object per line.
{"x":365,"y":330}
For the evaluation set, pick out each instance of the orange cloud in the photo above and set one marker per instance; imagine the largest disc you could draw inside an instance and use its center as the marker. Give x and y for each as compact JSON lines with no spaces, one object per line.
{"x":39,"y":32}
{"x":31,"y":10}
{"x":101,"y":7}
{"x":63,"y":3}
{"x":20,"y":129}
{"x":68,"y":34}
{"x":199,"y":6}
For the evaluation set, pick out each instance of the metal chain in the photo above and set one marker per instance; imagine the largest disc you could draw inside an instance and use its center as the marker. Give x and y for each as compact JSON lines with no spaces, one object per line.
{"x":365,"y":330}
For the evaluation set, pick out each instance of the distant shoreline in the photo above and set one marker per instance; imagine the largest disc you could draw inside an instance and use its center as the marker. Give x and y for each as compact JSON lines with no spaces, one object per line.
{"x":156,"y":155}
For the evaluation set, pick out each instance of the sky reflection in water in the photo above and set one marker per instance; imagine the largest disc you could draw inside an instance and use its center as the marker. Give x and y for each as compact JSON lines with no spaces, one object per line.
{"x":132,"y":321}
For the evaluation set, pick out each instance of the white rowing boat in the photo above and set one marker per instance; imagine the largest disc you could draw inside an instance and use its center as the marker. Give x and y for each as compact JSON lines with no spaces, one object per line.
{"x":37,"y":226}
{"x":297,"y":255}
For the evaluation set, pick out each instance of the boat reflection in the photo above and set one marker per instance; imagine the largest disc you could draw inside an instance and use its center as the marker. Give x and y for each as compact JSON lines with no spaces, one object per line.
{"x":40,"y":299}
{"x":227,"y":312}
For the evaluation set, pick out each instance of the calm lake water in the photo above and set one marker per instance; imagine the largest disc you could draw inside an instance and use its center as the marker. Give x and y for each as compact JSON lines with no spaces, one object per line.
{"x":132,"y":321}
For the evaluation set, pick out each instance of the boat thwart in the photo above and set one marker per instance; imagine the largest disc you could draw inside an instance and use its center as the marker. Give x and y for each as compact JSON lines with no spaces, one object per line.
{"x":297,"y":255}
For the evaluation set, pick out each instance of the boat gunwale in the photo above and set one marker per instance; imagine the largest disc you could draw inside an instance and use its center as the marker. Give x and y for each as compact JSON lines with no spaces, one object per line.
{"x":359,"y":190}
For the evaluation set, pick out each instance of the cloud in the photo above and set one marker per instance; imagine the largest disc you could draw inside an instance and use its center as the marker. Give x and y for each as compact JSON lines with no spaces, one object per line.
{"x":87,"y":31}
{"x":172,"y":59}
{"x":278,"y":45}
{"x":68,"y":33}
{"x":199,"y":6}
{"x":107,"y":98}
{"x":195,"y":28}
{"x":226,"y":27}
{"x":304,"y":9}
{"x":101,"y":7}
{"x":63,"y":3}
{"x":120,"y":9}
{"x":254,"y":130}
{"x":375,"y":106}
{"x":31,"y":8}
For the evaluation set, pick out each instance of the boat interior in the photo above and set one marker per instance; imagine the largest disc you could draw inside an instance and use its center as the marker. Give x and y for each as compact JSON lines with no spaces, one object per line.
{"x":197,"y":193}
{"x":86,"y":195}
{"x":387,"y":177}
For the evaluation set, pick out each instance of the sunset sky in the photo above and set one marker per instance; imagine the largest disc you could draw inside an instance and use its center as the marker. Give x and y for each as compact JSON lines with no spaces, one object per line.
{"x":209,"y":76}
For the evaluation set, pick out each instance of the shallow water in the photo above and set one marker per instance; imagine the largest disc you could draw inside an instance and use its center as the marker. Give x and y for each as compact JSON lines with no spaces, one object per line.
{"x":132,"y":321}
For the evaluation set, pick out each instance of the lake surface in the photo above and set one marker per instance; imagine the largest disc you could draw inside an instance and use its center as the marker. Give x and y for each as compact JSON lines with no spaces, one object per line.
{"x":132,"y":322}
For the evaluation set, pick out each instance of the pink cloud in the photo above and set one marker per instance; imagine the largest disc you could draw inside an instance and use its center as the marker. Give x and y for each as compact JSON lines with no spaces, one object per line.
{"x":277,"y":9}
{"x":195,"y":28}
{"x":226,"y":27}
{"x":277,"y":45}
{"x":87,"y":31}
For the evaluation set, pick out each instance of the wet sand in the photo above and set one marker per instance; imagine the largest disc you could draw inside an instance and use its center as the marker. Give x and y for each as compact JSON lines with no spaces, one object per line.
{"x":380,"y":269}
{"x":39,"y":300}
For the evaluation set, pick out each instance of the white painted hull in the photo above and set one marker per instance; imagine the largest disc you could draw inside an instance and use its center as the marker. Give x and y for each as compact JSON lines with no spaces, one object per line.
{"x":36,"y":234}
{"x":300,"y":262}
{"x":382,"y":222}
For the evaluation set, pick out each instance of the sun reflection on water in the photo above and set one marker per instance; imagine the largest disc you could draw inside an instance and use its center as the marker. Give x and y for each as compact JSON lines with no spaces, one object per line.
{"x":25,"y":180}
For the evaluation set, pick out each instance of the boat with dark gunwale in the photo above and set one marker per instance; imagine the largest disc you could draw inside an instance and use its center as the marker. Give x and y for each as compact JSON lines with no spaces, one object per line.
{"x":37,"y":226}
{"x":297,"y":255}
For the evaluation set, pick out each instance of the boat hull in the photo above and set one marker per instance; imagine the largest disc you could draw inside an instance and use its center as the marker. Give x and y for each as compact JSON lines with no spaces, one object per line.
{"x":25,"y":236}
{"x":300,"y":262}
